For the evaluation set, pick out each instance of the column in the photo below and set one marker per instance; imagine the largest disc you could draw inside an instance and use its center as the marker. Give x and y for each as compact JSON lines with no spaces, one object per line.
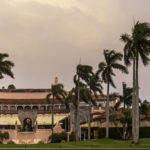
{"x":8,"y":107}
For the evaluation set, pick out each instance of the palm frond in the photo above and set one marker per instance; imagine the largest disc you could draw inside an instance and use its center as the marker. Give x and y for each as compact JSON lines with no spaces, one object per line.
{"x":48,"y":98}
{"x":125,"y":38}
{"x":120,"y":67}
{"x":115,"y":57}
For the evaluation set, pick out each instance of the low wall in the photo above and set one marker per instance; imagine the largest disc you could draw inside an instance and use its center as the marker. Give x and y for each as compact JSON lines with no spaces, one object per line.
{"x":28,"y":137}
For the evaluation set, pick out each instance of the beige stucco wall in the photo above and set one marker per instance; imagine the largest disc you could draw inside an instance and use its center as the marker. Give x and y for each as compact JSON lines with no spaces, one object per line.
{"x":28,"y":137}
{"x":31,"y":137}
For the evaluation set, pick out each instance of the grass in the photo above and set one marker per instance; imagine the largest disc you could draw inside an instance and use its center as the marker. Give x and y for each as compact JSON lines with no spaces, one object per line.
{"x":100,"y":143}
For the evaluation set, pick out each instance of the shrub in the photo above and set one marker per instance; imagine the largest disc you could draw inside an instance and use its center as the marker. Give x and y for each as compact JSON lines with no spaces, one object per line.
{"x":5,"y":135}
{"x":58,"y":137}
{"x":63,"y":141}
{"x":72,"y":137}
{"x":11,"y":142}
{"x":41,"y":142}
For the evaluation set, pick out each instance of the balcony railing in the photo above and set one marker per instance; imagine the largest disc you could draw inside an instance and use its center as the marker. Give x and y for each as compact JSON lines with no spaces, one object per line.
{"x":38,"y":111}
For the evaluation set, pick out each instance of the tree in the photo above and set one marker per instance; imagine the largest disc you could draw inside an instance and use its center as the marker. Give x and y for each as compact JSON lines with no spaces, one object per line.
{"x":79,"y":93}
{"x":137,"y":45}
{"x":5,"y":66}
{"x":145,"y":107}
{"x":107,"y":72}
{"x":126,"y":120}
{"x":126,"y":100}
{"x":11,"y":87}
{"x":4,"y":136}
{"x":93,"y":82}
{"x":57,"y":92}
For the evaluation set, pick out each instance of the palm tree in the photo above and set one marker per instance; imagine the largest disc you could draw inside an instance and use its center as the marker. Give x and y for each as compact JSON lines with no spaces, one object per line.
{"x":11,"y":87}
{"x":93,"y":82}
{"x":126,"y":99}
{"x":57,"y":92}
{"x":71,"y":98}
{"x":145,"y":107}
{"x":137,"y":45}
{"x":79,"y":93}
{"x":5,"y":66}
{"x":107,"y":72}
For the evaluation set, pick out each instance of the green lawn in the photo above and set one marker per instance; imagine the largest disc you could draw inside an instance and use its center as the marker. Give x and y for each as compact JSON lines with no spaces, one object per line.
{"x":100,"y":143}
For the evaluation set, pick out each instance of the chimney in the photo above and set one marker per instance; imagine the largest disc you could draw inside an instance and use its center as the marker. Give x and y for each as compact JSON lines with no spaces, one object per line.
{"x":56,"y":81}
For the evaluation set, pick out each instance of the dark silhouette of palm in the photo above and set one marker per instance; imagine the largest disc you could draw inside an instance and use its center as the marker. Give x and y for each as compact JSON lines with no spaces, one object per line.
{"x":79,"y":93}
{"x":58,"y":93}
{"x":93,"y":82}
{"x":5,"y":66}
{"x":137,"y":45}
{"x":106,"y":69}
{"x":125,"y":98}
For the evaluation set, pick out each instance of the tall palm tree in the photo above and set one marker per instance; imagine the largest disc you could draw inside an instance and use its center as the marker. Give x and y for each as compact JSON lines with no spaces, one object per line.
{"x":106,"y":69}
{"x":93,"y":82}
{"x":137,"y":45}
{"x":57,"y":92}
{"x":79,"y":93}
{"x":126,"y":100}
{"x":5,"y":66}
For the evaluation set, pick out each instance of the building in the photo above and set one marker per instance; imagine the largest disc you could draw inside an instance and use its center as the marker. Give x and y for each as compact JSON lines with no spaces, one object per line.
{"x":26,"y":115}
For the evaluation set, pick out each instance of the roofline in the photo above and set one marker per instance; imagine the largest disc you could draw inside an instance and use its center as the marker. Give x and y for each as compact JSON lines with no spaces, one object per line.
{"x":22,"y":90}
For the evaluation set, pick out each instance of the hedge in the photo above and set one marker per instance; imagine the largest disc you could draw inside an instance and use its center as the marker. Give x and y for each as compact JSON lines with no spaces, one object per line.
{"x":58,"y":137}
{"x":144,"y":132}
{"x":61,"y":137}
{"x":116,"y":132}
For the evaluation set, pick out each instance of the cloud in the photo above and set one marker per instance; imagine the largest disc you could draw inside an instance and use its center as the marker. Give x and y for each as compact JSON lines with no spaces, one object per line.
{"x":46,"y":38}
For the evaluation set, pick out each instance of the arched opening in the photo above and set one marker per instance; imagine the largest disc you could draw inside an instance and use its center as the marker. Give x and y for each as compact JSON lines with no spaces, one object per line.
{"x":12,"y":108}
{"x":43,"y":108}
{"x":5,"y":108}
{"x":27,"y":125}
{"x":27,"y":108}
{"x":19,"y":108}
{"x":35,"y":107}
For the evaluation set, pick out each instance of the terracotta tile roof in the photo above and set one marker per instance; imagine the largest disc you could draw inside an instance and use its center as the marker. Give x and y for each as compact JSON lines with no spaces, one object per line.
{"x":29,"y":96}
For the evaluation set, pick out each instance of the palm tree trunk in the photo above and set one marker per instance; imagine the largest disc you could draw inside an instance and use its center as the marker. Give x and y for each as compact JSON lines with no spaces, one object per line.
{"x":137,"y":105}
{"x":107,"y":112}
{"x":133,"y":103}
{"x":89,"y":120}
{"x":76,"y":124}
{"x":78,"y":114}
{"x":124,"y":124}
{"x":53,"y":116}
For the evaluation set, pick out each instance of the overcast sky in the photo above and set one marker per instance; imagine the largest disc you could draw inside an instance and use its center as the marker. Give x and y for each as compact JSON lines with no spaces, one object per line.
{"x":46,"y":38}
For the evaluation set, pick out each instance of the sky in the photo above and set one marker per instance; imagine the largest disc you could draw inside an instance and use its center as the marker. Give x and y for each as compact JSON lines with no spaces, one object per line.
{"x":48,"y":38}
